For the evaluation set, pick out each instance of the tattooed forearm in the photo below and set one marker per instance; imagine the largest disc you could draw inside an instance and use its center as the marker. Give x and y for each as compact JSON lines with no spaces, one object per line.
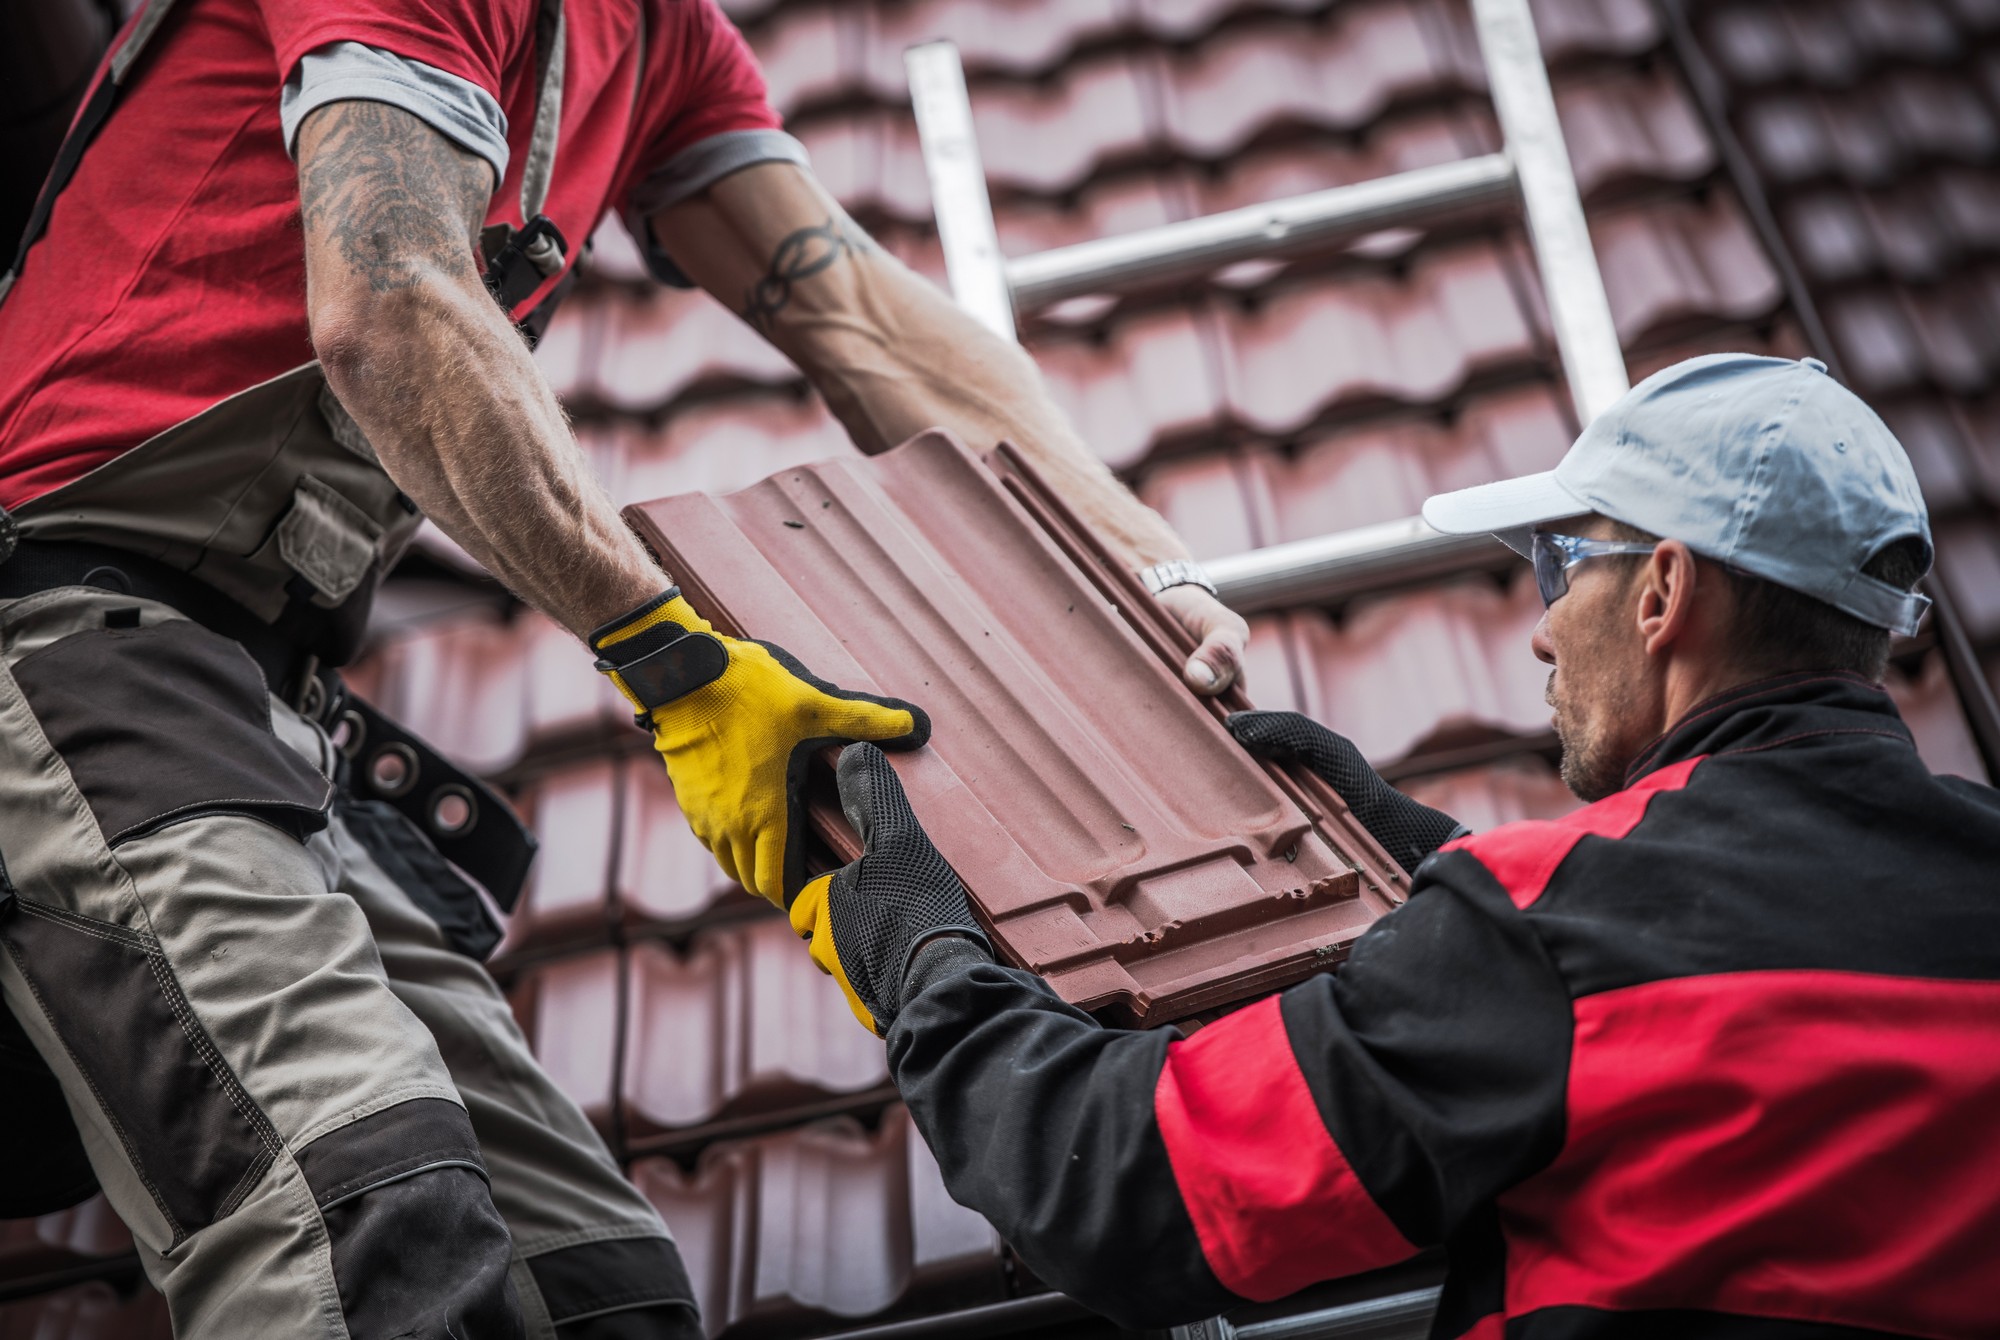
{"x":390,"y":197}
{"x":799,"y":257}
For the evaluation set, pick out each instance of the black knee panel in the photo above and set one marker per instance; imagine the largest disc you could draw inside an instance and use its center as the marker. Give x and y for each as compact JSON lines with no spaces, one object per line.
{"x":419,"y":1252}
{"x":623,"y":1289}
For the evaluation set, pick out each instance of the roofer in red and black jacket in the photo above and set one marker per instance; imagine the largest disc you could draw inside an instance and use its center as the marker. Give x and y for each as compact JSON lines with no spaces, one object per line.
{"x":1717,"y":1055}
{"x":268,"y":315}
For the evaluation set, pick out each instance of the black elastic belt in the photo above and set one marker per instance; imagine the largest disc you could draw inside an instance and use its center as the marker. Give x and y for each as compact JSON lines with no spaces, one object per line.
{"x":38,"y":565}
{"x":466,"y":820}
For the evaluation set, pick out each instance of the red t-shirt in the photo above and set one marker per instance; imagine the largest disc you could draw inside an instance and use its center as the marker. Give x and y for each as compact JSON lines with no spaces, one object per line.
{"x":172,"y":274}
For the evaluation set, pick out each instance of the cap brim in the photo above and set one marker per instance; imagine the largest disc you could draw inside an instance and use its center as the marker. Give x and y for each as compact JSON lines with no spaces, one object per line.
{"x":1508,"y":508}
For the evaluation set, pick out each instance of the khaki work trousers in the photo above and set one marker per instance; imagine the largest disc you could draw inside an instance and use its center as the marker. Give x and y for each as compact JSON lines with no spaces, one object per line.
{"x":317,"y":1119}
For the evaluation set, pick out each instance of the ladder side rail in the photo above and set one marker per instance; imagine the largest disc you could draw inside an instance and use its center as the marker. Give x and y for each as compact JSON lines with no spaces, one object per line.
{"x":972,"y":259}
{"x":1586,"y":337}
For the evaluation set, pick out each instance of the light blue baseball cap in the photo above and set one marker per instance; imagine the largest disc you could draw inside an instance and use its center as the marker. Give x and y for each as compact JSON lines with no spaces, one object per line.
{"x":1768,"y":465}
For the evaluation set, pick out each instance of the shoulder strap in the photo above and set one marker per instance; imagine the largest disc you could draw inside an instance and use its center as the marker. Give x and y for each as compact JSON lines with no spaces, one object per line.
{"x":535,"y":174}
{"x":96,"y":109}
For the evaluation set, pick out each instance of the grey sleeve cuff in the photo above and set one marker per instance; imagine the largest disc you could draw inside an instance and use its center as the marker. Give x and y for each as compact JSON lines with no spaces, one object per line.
{"x":455,"y":108}
{"x":692,"y":171}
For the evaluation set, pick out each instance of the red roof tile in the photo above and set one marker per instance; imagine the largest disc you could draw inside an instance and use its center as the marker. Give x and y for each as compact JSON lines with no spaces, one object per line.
{"x":1384,"y":471}
{"x":1017,"y":37}
{"x":722,"y":445}
{"x":1214,"y":97}
{"x":744,"y":1024}
{"x":569,"y":1011}
{"x":565,"y":695}
{"x":1871,"y":134}
{"x":1203,"y":499}
{"x":1931,"y":709}
{"x":1950,"y":463}
{"x":1375,"y":338}
{"x":1679,"y":265}
{"x":1969,"y":562}
{"x":1622,"y":127}
{"x":1154,"y":379}
{"x":1916,"y":233}
{"x":564,"y":902}
{"x":1047,"y":138}
{"x":827,"y":1222}
{"x":464,"y":685}
{"x":1426,"y":670}
{"x":1268,"y":675}
{"x":665,"y":877}
{"x":669,"y":341}
{"x":1896,"y":340}
{"x":1049,"y":800}
{"x":1498,"y":793}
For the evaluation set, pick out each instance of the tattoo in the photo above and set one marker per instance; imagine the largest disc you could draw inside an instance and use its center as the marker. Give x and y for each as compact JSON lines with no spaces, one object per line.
{"x":800,"y":256}
{"x":395,"y":199}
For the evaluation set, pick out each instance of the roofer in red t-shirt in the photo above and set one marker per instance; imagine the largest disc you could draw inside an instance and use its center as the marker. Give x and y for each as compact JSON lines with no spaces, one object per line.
{"x":1716,"y":1055}
{"x":251,"y":339}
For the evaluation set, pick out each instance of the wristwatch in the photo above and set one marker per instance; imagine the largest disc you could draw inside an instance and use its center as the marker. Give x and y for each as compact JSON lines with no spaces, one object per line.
{"x":1176,"y":572}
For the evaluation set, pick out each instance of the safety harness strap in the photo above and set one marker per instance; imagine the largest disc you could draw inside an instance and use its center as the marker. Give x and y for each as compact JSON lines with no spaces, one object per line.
{"x":96,"y":108}
{"x":543,"y":247}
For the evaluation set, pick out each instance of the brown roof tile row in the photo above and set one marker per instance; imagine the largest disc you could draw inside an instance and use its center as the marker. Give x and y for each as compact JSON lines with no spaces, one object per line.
{"x":824,"y":53}
{"x":1271,"y":364}
{"x":1132,"y":106}
{"x":1834,"y":44}
{"x":806,"y":1228}
{"x":652,"y":1041}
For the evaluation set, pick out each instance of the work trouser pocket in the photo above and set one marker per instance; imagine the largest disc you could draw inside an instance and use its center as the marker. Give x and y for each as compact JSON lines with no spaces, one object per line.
{"x":196,"y":1139}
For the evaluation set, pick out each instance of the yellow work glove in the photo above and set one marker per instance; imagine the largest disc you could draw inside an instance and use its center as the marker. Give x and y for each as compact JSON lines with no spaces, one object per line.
{"x":737,"y":722}
{"x":863,"y":924}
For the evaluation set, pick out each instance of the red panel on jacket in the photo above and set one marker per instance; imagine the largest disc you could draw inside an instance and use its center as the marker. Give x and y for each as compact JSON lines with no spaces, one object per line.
{"x":1811,"y":1145}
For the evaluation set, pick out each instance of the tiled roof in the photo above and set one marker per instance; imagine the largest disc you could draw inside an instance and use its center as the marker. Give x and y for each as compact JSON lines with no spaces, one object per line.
{"x":1264,"y":403}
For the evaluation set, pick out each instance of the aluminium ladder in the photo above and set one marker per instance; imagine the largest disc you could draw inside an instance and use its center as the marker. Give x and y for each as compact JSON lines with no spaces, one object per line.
{"x":1533,"y":170}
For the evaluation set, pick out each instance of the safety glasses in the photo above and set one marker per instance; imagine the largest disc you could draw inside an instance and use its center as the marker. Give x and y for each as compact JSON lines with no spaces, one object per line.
{"x":1555,"y":555}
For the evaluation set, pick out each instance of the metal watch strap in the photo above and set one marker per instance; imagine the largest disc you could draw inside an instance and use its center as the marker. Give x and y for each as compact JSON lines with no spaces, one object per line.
{"x":1176,"y":572}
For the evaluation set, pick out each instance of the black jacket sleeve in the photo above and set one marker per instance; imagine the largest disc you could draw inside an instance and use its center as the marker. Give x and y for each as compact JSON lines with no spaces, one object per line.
{"x":1338,"y":1128}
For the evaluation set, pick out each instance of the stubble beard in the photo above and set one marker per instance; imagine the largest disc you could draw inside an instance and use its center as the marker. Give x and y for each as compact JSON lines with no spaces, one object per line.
{"x":1589,"y":766}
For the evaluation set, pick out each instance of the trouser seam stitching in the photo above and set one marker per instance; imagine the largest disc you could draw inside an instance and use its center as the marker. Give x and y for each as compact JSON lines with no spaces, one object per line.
{"x":176,"y":1233}
{"x":82,"y":925}
{"x":197,"y":1036}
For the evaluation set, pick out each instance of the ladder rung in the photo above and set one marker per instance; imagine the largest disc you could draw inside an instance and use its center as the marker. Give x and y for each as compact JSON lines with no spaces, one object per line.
{"x":1348,"y":563}
{"x":1279,"y":228}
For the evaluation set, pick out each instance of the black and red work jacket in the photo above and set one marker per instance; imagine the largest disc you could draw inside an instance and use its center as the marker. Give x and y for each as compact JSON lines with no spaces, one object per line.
{"x":1718,"y":1055}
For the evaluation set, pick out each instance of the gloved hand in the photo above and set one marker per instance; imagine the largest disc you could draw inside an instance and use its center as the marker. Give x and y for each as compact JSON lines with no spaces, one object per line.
{"x":864,"y":922}
{"x":1407,"y":830}
{"x":737,"y":722}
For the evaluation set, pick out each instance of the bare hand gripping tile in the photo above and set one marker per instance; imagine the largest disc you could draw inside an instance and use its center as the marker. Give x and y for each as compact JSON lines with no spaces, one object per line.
{"x":1112,"y":835}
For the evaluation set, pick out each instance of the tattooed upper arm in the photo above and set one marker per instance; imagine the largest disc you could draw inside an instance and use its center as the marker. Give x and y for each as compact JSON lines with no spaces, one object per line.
{"x":385,"y":197}
{"x":802,"y":254}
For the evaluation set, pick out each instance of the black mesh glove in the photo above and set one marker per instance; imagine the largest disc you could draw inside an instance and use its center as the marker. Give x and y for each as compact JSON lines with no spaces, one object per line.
{"x":864,"y":922}
{"x":1407,"y":830}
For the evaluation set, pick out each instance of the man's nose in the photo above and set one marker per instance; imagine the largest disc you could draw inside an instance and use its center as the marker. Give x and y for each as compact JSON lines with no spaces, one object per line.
{"x":1545,"y":650}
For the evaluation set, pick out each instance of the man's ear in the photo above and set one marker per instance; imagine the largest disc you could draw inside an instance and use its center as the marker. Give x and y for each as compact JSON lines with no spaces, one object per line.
{"x":1667,"y":589}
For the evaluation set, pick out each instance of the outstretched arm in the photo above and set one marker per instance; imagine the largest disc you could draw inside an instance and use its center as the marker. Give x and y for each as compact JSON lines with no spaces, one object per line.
{"x":436,"y":375}
{"x":894,"y":356}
